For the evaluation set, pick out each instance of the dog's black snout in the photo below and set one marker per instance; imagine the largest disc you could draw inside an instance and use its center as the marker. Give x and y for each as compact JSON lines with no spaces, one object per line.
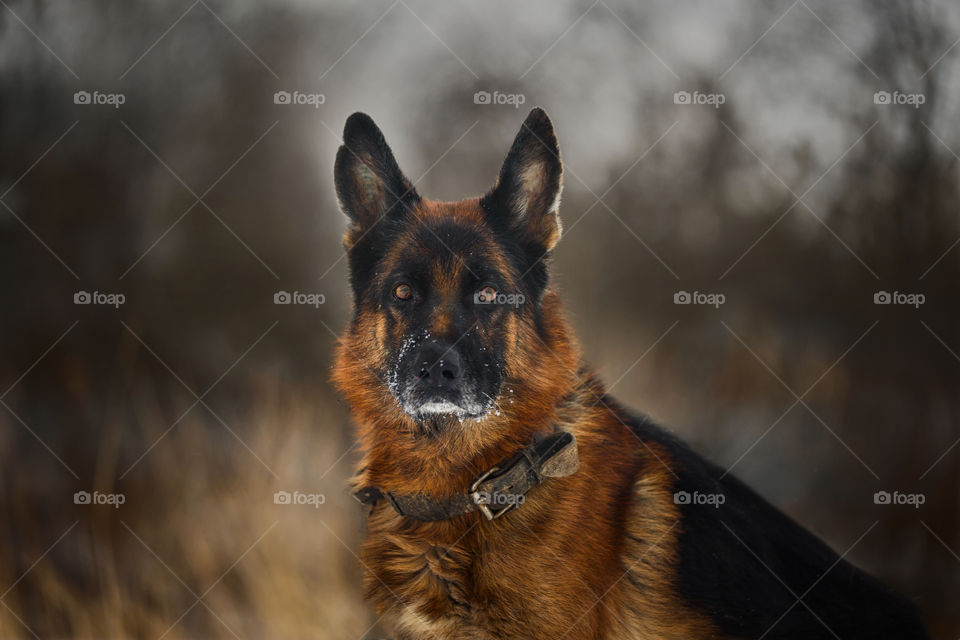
{"x":438,"y":366}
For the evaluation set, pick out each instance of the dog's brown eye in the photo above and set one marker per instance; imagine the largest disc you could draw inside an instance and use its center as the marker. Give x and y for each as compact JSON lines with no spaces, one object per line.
{"x":487,"y":294}
{"x":403,"y":292}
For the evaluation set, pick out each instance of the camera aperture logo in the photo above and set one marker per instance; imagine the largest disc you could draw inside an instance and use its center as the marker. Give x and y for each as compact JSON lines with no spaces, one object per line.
{"x":98,"y":297}
{"x":897,"y":297}
{"x":496,"y":97}
{"x":298,"y":497}
{"x":896,"y":97}
{"x":699,"y":98}
{"x":897,"y":498}
{"x":697,"y":297}
{"x":97,"y":498}
{"x":299,"y":98}
{"x":504,"y":299}
{"x":98,"y":98}
{"x":696,"y":498}
{"x":297,"y":297}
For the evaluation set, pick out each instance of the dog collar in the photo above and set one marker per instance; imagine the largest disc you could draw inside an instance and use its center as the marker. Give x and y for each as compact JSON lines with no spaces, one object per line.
{"x":496,"y":491}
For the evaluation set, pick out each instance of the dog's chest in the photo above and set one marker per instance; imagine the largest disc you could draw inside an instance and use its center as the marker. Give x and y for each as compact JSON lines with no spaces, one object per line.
{"x":433,"y":588}
{"x":446,"y":576}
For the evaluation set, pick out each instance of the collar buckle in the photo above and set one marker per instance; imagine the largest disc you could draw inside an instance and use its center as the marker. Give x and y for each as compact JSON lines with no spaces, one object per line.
{"x":483,"y":499}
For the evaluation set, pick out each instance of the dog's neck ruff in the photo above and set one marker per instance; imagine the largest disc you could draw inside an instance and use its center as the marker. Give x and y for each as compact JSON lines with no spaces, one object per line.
{"x":496,"y":491}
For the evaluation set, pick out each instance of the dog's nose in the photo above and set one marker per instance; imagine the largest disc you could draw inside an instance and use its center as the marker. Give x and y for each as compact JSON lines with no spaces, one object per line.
{"x":438,"y":366}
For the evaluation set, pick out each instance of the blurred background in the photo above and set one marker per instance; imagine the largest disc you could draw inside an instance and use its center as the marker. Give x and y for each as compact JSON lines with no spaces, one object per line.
{"x":170,"y":165}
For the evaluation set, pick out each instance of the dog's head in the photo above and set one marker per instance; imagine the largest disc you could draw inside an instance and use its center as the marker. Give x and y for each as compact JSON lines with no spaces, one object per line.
{"x":449,"y":297}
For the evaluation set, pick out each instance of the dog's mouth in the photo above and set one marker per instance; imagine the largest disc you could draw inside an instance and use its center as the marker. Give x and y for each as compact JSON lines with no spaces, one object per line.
{"x":439,"y":407}
{"x":424,"y":405}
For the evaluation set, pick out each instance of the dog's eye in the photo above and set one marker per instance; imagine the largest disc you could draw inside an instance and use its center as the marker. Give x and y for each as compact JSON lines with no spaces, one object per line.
{"x":403,"y":292}
{"x":487,"y":294}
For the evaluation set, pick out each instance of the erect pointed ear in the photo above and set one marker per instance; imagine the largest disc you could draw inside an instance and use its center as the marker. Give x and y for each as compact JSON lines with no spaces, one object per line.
{"x":369,"y":183}
{"x":526,"y":198}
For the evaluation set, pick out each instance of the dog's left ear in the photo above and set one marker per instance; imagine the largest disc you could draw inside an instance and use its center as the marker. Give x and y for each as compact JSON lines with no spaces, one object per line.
{"x":526,"y":198}
{"x":369,"y":183}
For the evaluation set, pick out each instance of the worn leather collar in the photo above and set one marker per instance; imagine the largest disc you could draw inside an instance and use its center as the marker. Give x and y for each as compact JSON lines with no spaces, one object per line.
{"x":495,"y":492}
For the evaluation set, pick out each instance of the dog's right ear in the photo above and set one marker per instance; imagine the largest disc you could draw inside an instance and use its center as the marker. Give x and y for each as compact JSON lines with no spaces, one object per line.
{"x":526,"y":197}
{"x":369,"y":183}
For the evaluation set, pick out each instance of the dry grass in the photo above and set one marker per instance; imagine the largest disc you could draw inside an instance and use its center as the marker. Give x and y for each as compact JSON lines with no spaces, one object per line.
{"x":199,"y":520}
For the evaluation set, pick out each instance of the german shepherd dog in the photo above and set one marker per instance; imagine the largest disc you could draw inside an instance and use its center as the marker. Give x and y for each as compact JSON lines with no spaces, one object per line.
{"x":508,"y":495}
